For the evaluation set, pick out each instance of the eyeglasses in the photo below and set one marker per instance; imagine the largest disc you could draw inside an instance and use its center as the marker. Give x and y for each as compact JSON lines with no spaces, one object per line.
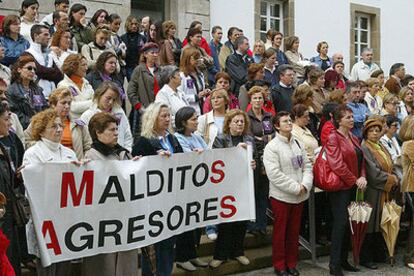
{"x":394,"y":125}
{"x":30,"y":68}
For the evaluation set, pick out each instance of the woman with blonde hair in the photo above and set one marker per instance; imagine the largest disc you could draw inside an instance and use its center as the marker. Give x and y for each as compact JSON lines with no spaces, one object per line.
{"x":107,"y":99}
{"x":74,"y":67}
{"x":75,"y":133}
{"x":157,"y":138}
{"x":258,"y":51}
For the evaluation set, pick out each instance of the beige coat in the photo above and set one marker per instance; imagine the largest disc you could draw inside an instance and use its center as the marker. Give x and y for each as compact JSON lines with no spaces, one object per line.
{"x":112,"y":264}
{"x":304,"y":135}
{"x":408,"y":166}
{"x":81,"y":140}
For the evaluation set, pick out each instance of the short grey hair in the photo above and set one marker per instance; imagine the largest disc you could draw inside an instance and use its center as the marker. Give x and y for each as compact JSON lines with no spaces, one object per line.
{"x":239,"y":41}
{"x":167,"y":72}
{"x":367,"y":50}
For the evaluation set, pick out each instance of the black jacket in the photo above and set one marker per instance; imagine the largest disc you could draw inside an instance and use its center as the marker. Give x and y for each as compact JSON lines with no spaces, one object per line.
{"x":282,"y":98}
{"x":25,"y":105}
{"x":134,"y":43}
{"x":95,"y":79}
{"x":145,"y":146}
{"x":236,"y":67}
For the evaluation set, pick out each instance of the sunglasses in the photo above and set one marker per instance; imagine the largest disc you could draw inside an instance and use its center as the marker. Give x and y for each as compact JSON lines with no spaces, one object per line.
{"x":30,"y":68}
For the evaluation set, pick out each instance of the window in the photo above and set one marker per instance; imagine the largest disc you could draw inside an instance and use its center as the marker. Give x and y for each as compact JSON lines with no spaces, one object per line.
{"x":362,"y":32}
{"x":271,"y":17}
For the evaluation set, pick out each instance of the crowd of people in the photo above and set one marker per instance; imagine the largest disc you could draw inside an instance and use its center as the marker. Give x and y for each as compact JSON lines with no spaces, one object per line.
{"x":73,"y":90}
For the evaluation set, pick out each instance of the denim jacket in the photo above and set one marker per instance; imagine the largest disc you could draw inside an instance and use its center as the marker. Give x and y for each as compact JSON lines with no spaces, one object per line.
{"x":13,"y":49}
{"x":318,"y":61}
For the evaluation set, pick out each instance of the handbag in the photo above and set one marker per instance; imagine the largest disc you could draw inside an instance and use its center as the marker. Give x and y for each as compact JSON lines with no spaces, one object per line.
{"x":324,"y":178}
{"x":21,"y":208}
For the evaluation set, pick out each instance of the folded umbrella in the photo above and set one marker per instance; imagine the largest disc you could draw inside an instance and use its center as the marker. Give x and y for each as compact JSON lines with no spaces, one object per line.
{"x":359,"y":214}
{"x":390,"y":225}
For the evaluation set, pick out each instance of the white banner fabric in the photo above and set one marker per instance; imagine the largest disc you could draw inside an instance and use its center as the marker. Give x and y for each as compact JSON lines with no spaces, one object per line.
{"x":110,"y":206}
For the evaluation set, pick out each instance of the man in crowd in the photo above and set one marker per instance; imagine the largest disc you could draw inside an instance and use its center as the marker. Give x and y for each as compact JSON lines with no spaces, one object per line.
{"x":228,"y":48}
{"x":60,"y":6}
{"x":47,"y":71}
{"x":237,"y":64}
{"x":363,"y":69}
{"x":276,"y":45}
{"x":283,"y":91}
{"x":397,"y":73}
{"x":145,"y":25}
{"x":215,"y":46}
{"x":360,"y":110}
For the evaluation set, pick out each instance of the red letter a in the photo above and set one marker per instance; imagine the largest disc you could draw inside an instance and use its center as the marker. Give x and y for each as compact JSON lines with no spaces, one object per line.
{"x":48,"y":228}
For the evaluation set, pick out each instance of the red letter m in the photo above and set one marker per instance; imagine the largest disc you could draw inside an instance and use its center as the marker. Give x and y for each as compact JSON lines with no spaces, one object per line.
{"x":68,"y":182}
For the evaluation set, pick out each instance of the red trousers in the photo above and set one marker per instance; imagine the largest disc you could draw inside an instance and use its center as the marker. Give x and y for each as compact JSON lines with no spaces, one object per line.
{"x":286,"y":227}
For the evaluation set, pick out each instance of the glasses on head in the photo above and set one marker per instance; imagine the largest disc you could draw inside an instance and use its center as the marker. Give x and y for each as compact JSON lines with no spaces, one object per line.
{"x":30,"y":68}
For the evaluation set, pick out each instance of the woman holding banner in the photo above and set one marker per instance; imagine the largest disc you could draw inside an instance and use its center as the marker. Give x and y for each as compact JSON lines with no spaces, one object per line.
{"x":229,"y":243}
{"x":104,"y":133}
{"x":47,"y":131}
{"x":186,"y":124}
{"x":157,"y":138}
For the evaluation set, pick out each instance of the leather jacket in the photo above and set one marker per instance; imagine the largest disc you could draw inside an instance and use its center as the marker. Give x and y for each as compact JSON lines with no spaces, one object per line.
{"x":342,"y":158}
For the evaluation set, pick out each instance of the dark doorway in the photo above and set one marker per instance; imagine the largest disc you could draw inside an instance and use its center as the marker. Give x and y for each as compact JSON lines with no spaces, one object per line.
{"x":153,"y":8}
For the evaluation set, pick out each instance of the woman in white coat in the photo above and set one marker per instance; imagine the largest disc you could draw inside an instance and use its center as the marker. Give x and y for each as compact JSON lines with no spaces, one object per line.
{"x":47,"y":131}
{"x":107,"y":99}
{"x":290,"y":181}
{"x":74,"y":67}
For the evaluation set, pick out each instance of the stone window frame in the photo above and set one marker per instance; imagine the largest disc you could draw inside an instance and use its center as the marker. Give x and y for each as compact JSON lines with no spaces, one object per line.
{"x":374,"y":14}
{"x":288,"y":14}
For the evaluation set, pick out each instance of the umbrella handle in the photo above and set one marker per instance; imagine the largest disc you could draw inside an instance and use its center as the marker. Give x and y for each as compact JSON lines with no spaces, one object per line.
{"x":359,"y":197}
{"x":350,"y":225}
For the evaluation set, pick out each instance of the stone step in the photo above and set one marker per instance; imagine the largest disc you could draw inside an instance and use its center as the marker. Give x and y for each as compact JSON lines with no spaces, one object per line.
{"x":259,"y":258}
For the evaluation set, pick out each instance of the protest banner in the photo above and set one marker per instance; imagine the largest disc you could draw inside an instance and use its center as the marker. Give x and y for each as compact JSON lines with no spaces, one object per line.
{"x":110,"y":206}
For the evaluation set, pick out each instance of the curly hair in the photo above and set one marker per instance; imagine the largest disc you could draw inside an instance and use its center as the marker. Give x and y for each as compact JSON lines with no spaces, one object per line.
{"x":58,"y":94}
{"x":57,"y":36}
{"x":256,"y":89}
{"x":128,"y":22}
{"x":149,"y":120}
{"x":229,"y":117}
{"x":72,"y":63}
{"x":20,"y":63}
{"x":102,"y":59}
{"x":41,"y":121}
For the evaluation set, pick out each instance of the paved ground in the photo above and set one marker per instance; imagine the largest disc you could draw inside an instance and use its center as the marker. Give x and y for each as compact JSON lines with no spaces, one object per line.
{"x":306,"y":268}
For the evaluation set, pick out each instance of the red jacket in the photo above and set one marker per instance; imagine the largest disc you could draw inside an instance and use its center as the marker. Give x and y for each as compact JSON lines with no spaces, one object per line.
{"x":203,"y":44}
{"x":328,"y":126}
{"x":342,"y":158}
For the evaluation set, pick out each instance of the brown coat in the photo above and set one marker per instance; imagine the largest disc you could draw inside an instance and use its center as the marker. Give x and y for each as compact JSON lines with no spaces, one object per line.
{"x":141,"y":86}
{"x":381,"y":178}
{"x":408,"y":166}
